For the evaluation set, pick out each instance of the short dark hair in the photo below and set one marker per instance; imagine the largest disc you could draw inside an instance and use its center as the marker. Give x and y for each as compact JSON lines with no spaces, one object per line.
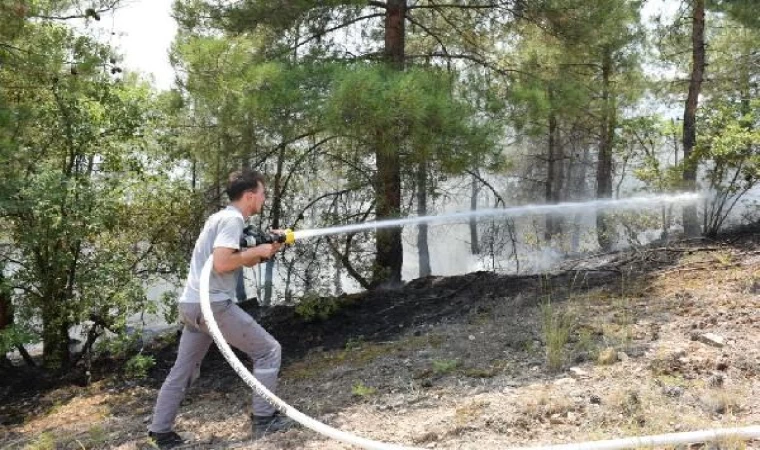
{"x":243,"y":180}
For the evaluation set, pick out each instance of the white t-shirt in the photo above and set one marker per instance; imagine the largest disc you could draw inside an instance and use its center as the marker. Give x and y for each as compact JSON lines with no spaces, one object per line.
{"x":222,"y":229}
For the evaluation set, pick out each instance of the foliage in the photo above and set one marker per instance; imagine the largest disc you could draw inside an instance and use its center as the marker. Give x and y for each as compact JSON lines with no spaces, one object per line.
{"x":93,"y":213}
{"x":444,"y":366}
{"x":556,"y":325}
{"x":137,"y":367}
{"x":312,"y":307}
{"x":729,"y":146}
{"x":415,"y":109}
{"x":360,"y":390}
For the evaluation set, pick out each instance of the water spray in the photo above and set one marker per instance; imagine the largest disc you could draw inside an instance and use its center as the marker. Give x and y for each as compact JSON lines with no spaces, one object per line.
{"x":252,"y":237}
{"x":289,"y":237}
{"x":517,"y":211}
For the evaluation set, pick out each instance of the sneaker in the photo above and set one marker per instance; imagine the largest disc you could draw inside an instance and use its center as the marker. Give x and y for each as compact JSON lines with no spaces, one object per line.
{"x":168,"y":439}
{"x":263,"y":425}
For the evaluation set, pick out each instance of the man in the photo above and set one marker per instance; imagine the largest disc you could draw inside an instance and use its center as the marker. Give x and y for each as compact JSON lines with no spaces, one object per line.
{"x":221,"y":237}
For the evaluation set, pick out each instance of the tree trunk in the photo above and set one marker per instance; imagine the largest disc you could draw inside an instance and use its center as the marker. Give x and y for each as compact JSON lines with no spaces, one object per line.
{"x":690,"y":221}
{"x":395,"y":33}
{"x":55,"y":340}
{"x":474,"y":190}
{"x":274,"y":216}
{"x":6,"y":312}
{"x":390,"y":256}
{"x":422,"y":230}
{"x":580,"y":188}
{"x":604,"y":230}
{"x":553,"y":174}
{"x":240,"y":286}
{"x":337,"y":276}
{"x":6,"y":307}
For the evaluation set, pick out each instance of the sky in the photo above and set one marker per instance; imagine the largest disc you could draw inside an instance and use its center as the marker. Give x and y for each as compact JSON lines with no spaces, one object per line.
{"x":143,"y":33}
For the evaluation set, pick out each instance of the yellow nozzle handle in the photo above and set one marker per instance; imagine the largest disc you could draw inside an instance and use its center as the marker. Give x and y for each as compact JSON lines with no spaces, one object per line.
{"x":290,"y":237}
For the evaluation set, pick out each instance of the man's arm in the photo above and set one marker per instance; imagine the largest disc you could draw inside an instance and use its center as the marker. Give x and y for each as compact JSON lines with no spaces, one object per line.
{"x":230,"y":259}
{"x":227,"y":257}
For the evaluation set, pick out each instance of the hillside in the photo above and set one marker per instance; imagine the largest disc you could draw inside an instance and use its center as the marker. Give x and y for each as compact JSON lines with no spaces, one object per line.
{"x":657,"y":340}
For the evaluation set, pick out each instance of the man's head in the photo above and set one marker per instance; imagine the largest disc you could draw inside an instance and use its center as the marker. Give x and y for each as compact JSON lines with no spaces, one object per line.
{"x":246,"y":190}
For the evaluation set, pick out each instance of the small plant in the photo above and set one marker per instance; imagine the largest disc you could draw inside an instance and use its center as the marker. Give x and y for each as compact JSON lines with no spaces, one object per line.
{"x":444,"y":366}
{"x":477,"y":372}
{"x":312,"y":307}
{"x":544,"y":405}
{"x":529,"y":346}
{"x":120,"y":345}
{"x":556,"y":325}
{"x":435,"y":340}
{"x":44,"y":441}
{"x":586,"y":342}
{"x":722,"y":402}
{"x":170,"y":307}
{"x":138,"y":366}
{"x":354,"y":343}
{"x":98,"y":435}
{"x":724,"y":258}
{"x":361,"y":390}
{"x":468,"y":413}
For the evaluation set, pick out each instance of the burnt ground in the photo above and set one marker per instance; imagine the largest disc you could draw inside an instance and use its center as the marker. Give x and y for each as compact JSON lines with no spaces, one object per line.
{"x":461,"y":362}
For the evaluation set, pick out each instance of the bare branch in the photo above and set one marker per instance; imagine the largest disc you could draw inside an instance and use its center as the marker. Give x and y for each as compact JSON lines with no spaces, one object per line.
{"x":476,"y":60}
{"x":302,"y":158}
{"x":434,"y":36}
{"x":331,"y":29}
{"x":94,"y":13}
{"x":313,"y":202}
{"x":454,"y":6}
{"x":499,"y":198}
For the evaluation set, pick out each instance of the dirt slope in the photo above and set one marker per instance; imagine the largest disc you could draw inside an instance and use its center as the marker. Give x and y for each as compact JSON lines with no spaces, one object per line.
{"x":652,"y":341}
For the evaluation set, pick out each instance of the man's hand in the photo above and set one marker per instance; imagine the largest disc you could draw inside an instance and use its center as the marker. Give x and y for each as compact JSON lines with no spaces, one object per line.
{"x":262,"y":252}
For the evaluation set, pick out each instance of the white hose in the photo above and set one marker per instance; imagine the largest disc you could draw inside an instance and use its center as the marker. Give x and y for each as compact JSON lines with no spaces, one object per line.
{"x":745,"y":433}
{"x":275,"y":401}
{"x":659,"y":440}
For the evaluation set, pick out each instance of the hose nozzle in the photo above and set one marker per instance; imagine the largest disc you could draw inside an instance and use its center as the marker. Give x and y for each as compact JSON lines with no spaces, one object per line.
{"x":253,"y":237}
{"x":288,"y":237}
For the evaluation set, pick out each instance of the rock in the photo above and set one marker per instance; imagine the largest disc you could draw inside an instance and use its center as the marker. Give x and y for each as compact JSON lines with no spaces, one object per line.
{"x":577,"y":372}
{"x":595,"y":399}
{"x":622,"y":356}
{"x":566,"y":380}
{"x":672,"y":391}
{"x":755,"y":288}
{"x":607,"y":356}
{"x":471,"y":337}
{"x":712,"y":339}
{"x":715,"y":381}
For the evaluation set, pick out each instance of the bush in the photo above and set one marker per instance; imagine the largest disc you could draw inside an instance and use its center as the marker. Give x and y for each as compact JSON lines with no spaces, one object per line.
{"x":138,"y":366}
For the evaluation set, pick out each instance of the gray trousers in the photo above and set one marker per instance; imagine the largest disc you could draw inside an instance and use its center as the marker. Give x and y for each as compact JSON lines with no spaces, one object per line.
{"x":242,"y":332}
